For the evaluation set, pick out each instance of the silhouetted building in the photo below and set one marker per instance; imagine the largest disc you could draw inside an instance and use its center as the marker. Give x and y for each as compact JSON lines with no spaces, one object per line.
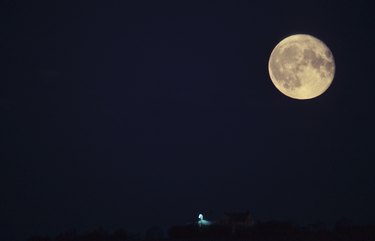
{"x":237,"y":220}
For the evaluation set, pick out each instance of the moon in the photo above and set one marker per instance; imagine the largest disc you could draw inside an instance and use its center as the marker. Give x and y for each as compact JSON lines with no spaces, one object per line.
{"x":301,"y":67}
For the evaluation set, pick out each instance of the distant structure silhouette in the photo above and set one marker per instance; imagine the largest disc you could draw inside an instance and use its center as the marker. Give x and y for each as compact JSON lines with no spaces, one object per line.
{"x":237,"y":220}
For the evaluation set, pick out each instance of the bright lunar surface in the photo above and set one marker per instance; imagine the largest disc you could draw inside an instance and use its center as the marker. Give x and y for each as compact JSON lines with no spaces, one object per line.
{"x":301,"y":66}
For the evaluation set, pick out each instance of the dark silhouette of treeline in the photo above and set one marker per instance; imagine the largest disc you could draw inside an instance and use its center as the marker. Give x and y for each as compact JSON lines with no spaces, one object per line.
{"x":267,"y":231}
{"x":98,"y":234}
{"x":274,"y":231}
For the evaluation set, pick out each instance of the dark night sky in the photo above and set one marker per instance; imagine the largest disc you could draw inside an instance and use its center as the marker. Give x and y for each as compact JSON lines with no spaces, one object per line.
{"x":120,"y":114}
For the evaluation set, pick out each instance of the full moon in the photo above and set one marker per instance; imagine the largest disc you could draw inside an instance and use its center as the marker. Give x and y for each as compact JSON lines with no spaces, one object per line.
{"x":301,"y":67}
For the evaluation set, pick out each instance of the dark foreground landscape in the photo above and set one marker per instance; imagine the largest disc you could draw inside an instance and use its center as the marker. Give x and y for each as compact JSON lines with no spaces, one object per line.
{"x":269,"y":231}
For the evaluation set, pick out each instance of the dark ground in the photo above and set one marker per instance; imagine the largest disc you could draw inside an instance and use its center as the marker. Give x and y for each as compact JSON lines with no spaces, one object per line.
{"x":269,"y":231}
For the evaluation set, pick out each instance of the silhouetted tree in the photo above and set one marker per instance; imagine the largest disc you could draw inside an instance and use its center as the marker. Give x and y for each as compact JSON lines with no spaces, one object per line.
{"x":69,"y":235}
{"x":98,"y":234}
{"x":119,"y":235}
{"x":154,"y":234}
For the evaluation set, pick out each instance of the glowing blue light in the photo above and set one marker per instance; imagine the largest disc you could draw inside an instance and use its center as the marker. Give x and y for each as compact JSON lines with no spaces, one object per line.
{"x":202,"y":222}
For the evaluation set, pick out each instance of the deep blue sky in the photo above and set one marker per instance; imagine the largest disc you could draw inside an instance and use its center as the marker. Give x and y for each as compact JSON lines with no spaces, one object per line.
{"x":129,"y":115}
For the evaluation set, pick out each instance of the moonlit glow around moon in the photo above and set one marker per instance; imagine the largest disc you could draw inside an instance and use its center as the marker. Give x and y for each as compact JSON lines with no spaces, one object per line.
{"x":301,"y":66}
